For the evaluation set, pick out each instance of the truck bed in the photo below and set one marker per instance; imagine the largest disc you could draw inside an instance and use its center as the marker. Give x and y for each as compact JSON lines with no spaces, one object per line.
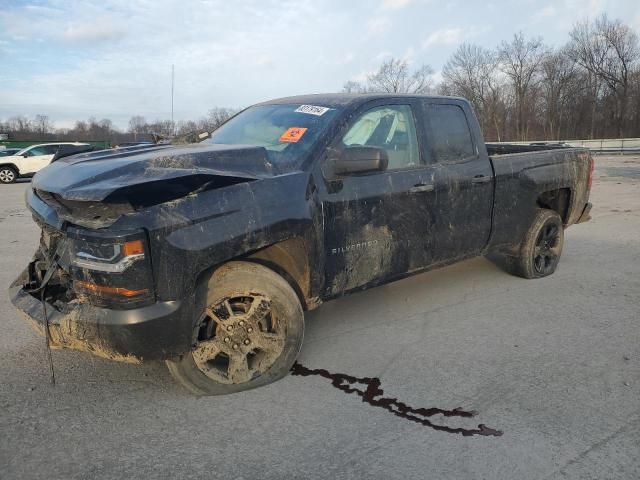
{"x":532,"y":176}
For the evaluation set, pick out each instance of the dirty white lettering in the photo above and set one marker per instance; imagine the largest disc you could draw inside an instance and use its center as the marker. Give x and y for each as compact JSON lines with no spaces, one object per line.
{"x":355,"y":246}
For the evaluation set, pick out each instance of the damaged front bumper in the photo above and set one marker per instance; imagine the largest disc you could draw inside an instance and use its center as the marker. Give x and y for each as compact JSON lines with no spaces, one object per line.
{"x":155,"y":332}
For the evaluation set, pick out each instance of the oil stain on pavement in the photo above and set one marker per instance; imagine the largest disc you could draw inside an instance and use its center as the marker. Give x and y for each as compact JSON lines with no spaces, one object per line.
{"x":373,"y":396}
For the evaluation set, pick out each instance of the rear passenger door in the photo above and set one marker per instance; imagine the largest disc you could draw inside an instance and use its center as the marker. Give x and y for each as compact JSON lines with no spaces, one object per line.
{"x":463,"y":178}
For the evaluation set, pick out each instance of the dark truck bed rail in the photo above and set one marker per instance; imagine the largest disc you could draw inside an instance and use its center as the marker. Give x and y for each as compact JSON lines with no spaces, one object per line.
{"x":509,"y":148}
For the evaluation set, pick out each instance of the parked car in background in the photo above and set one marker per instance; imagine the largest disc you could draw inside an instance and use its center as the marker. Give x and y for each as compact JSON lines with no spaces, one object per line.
{"x":8,"y":151}
{"x":29,"y":160}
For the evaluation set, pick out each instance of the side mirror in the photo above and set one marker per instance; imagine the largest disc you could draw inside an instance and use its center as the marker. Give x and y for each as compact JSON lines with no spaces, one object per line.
{"x":360,"y":159}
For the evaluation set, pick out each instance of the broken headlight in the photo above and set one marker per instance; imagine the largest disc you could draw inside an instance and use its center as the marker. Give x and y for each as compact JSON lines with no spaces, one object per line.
{"x":107,"y":257}
{"x":111,"y":270}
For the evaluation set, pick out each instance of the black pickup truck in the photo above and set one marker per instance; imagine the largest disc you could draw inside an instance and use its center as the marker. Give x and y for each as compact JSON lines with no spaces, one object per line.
{"x":206,"y":255}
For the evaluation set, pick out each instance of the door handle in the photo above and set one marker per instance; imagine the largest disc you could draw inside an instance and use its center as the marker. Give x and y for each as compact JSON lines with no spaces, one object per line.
{"x":481,"y":179}
{"x":421,"y":188}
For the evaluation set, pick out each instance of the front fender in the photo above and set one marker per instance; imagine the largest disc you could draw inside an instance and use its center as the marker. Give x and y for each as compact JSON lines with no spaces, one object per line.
{"x":215,"y":227}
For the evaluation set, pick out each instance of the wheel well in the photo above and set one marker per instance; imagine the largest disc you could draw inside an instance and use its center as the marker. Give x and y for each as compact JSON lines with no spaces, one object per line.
{"x":290,"y":259}
{"x":557,"y":200}
{"x":9,"y":165}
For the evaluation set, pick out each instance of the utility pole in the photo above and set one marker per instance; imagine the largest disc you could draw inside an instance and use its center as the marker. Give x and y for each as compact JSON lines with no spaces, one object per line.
{"x":172,"y":82}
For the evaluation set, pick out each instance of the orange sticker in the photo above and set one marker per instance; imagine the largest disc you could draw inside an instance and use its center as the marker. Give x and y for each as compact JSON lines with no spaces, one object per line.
{"x":293,"y":135}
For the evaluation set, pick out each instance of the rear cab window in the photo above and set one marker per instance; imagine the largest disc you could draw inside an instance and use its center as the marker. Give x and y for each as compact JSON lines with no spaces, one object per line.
{"x":448,"y":134}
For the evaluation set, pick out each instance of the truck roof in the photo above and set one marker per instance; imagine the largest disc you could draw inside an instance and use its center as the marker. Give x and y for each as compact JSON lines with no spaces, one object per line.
{"x":345,"y":99}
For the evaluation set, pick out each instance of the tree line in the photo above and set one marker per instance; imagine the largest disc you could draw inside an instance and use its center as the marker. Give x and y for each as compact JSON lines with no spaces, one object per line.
{"x":521,"y":90}
{"x":41,"y":128}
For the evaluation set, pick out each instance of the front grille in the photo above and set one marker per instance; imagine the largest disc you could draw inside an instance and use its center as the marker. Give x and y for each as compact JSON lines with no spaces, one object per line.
{"x":58,"y":290}
{"x":51,"y":242}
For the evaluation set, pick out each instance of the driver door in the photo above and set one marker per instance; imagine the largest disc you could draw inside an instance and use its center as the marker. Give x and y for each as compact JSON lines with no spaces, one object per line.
{"x":370,"y":228}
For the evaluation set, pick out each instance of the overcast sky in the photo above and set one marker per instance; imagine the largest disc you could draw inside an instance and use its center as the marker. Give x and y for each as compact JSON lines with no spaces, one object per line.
{"x":112,"y":58}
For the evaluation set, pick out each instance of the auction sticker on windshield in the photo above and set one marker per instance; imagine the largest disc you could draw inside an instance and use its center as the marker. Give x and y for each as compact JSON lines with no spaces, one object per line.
{"x":312,"y":110}
{"x":293,"y":134}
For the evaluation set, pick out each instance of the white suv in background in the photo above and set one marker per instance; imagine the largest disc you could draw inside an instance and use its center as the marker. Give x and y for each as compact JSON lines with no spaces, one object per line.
{"x":29,"y":160}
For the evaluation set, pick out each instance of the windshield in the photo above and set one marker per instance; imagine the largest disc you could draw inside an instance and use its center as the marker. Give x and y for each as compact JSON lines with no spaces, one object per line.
{"x":287,"y":132}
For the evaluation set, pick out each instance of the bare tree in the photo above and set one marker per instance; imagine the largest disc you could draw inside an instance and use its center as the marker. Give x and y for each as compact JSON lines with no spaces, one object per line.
{"x":106,"y":124}
{"x":520,"y":61}
{"x":217,"y":116}
{"x":137,"y":125}
{"x":558,"y":87}
{"x":353,"y":87}
{"x":81,"y":129}
{"x":394,"y":76}
{"x":635,"y":102}
{"x":41,"y":124}
{"x":609,"y":50}
{"x":186,"y":126}
{"x":471,"y":72}
{"x":20,"y":124}
{"x":162,"y":128}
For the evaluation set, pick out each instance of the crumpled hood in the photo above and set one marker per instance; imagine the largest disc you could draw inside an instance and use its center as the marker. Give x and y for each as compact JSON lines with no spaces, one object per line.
{"x":94,"y":176}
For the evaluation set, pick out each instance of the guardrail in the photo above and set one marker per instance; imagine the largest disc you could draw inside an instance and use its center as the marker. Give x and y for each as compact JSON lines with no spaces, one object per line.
{"x":603,"y":145}
{"x":618,"y":145}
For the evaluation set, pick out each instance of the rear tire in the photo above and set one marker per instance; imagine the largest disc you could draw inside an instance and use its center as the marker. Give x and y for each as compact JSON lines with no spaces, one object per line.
{"x":539,"y":252}
{"x":8,"y":174}
{"x":249,"y":334}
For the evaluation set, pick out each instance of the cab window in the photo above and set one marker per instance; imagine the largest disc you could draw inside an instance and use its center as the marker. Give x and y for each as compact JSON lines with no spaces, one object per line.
{"x":449,"y":136}
{"x":390,"y":127}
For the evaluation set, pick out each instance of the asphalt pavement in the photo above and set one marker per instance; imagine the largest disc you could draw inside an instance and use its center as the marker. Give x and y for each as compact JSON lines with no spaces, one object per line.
{"x":550,"y":367}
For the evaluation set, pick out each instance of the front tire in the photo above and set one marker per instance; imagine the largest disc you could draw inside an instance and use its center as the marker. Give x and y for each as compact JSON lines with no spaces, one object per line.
{"x":249,"y":334}
{"x":8,"y":174}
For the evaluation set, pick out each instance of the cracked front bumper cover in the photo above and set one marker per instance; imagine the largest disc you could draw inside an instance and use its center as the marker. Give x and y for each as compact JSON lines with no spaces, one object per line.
{"x":156,"y":332}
